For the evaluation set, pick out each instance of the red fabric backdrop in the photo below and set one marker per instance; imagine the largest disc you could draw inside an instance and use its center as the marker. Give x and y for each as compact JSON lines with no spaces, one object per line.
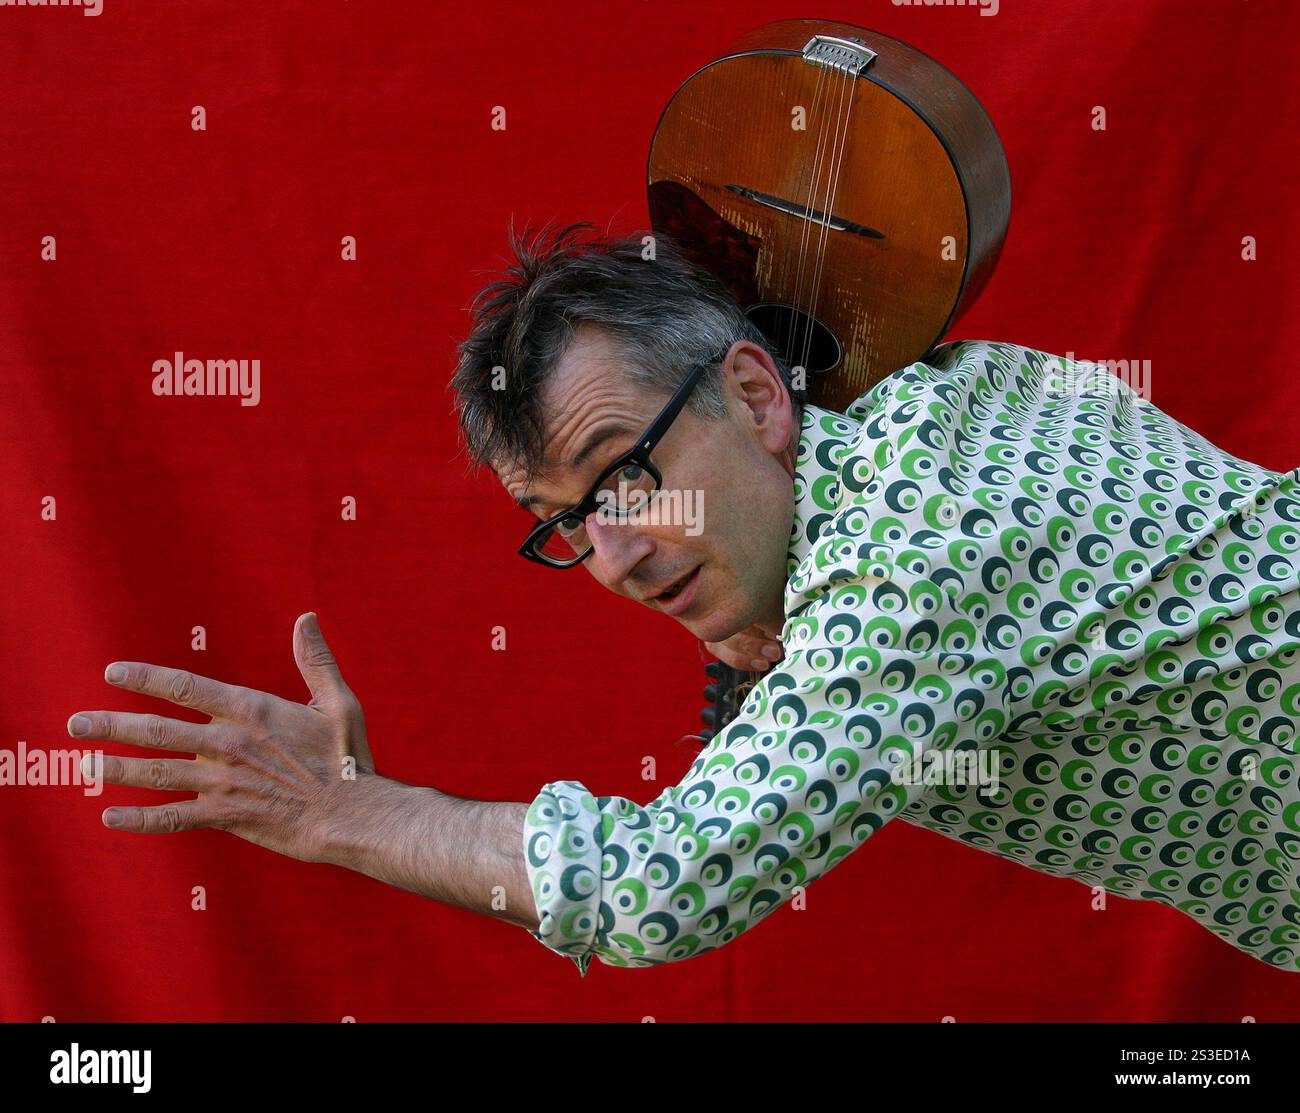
{"x":327,"y":119}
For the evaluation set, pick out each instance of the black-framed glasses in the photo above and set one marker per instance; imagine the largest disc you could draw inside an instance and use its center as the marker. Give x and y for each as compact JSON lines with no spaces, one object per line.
{"x":622,"y":490}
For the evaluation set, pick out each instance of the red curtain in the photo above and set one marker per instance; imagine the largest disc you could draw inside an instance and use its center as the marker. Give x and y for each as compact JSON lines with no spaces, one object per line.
{"x":330,"y":119}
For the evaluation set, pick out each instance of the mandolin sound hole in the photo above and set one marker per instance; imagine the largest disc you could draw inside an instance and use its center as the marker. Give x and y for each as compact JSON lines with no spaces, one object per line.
{"x":800,"y":337}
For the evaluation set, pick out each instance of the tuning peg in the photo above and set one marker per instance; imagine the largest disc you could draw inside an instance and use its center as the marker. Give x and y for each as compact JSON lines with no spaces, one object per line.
{"x":706,"y":735}
{"x":711,"y":693}
{"x":709,"y":716}
{"x":713,"y":669}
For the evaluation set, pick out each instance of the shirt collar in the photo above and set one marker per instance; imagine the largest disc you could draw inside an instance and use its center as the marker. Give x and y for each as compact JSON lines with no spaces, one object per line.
{"x":825,"y":438}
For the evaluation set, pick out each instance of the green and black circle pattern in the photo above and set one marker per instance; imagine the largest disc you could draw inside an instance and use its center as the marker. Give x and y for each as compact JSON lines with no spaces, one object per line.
{"x":987,"y":555}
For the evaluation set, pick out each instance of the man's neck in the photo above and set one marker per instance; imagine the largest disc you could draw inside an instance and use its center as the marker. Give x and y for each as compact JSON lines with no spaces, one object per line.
{"x":774,"y":621}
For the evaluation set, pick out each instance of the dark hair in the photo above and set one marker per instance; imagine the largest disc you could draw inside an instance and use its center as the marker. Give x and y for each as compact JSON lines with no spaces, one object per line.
{"x":664,"y":312}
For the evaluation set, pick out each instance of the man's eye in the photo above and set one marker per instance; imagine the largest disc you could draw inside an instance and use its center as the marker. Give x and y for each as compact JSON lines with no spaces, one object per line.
{"x":568,"y":526}
{"x":632,"y":473}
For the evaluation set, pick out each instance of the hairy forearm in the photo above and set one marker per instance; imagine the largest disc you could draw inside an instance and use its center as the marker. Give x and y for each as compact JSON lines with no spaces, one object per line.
{"x":463,"y":852}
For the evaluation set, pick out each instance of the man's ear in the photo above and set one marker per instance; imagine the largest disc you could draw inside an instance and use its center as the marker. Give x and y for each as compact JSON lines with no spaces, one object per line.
{"x":751,"y":377}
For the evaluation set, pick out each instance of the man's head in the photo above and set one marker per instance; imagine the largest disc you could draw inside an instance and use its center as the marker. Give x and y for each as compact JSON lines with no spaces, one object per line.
{"x":570,"y":358}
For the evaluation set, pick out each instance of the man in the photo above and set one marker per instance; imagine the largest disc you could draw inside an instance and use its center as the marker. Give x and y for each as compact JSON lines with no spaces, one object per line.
{"x":991,"y":554}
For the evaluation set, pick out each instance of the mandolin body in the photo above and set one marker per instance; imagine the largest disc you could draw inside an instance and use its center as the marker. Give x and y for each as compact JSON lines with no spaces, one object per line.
{"x":854,"y":205}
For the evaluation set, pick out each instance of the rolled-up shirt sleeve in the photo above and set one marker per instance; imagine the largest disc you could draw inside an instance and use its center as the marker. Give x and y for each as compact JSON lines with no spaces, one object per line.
{"x":803,"y":775}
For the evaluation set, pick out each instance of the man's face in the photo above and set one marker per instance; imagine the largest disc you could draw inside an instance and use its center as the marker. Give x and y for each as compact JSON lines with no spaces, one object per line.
{"x":735,"y":471}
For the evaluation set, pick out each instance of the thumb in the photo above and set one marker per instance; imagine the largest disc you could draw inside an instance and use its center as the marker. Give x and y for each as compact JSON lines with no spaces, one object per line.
{"x":316,"y":661}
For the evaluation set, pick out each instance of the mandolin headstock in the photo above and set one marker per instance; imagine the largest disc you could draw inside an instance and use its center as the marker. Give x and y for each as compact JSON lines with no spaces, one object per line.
{"x":724,"y":696}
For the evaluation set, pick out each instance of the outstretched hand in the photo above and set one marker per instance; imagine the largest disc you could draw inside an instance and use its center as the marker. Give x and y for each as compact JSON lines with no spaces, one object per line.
{"x":268,"y":770}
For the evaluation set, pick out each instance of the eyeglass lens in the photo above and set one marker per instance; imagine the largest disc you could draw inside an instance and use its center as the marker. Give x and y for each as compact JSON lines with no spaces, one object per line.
{"x":620,"y":496}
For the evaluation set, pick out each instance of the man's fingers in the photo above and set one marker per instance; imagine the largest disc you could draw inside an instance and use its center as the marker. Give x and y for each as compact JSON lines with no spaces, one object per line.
{"x":225,"y":701}
{"x":163,"y":774}
{"x":760,"y":647}
{"x":754,"y":652}
{"x":188,"y":815}
{"x":736,"y":657}
{"x":155,"y":731}
{"x":762,"y":644}
{"x":316,"y":663}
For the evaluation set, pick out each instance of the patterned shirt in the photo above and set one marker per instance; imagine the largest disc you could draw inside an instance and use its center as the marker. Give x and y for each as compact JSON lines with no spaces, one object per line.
{"x":1012,"y":560}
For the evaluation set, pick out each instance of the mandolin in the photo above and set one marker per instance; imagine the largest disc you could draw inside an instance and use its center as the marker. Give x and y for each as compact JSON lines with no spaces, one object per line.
{"x":850,"y":192}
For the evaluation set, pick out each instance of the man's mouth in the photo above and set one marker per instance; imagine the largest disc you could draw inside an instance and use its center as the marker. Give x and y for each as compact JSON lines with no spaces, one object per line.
{"x":677,"y":596}
{"x":676,"y":587}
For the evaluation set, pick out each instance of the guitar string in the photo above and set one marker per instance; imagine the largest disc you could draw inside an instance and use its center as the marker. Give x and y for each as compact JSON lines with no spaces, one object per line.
{"x":837,"y":161}
{"x":838,"y":144}
{"x":822,"y":115}
{"x":788,"y":337}
{"x":812,"y":206}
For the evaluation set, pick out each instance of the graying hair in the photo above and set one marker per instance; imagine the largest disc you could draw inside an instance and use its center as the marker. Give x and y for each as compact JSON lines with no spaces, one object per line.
{"x":664,"y":313}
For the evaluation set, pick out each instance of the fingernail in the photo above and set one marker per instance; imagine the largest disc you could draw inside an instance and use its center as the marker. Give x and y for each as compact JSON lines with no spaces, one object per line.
{"x":113,"y":817}
{"x":115,"y":674}
{"x":92,"y":766}
{"x":758,"y":663}
{"x":78,"y":725}
{"x":771,"y":652}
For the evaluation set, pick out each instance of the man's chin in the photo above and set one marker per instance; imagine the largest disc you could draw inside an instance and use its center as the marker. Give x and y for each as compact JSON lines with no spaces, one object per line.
{"x":729,"y":615}
{"x":714,"y":627}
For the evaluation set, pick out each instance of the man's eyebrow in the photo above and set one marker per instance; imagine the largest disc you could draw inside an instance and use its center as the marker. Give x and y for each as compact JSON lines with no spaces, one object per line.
{"x":593,"y":442}
{"x":598,"y":438}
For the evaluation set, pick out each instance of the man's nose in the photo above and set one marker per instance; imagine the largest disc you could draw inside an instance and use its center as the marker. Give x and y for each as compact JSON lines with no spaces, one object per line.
{"x":617,"y":548}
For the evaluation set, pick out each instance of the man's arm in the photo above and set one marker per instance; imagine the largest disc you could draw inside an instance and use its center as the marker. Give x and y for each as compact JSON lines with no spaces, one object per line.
{"x":299,"y":779}
{"x":463,"y":852}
